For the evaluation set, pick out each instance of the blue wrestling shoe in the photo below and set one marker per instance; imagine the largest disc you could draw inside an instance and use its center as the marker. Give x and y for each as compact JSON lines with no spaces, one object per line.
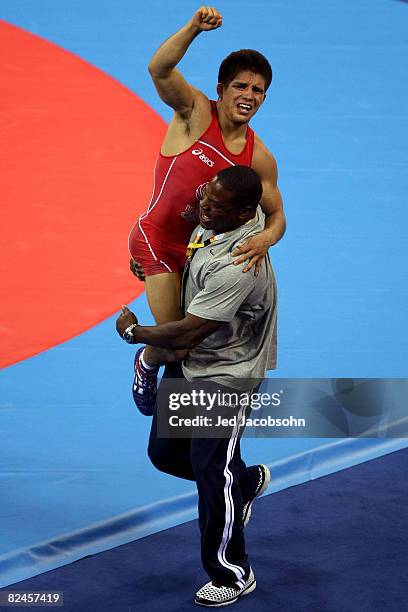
{"x":144,"y":386}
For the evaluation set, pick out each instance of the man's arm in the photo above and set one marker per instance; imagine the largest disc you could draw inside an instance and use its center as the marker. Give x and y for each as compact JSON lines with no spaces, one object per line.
{"x":256,"y":247}
{"x":171,"y":86}
{"x":184,"y":334}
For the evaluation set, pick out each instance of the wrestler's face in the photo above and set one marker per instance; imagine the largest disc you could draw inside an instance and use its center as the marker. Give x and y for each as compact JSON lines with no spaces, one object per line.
{"x":241,"y":98}
{"x":217,"y":211}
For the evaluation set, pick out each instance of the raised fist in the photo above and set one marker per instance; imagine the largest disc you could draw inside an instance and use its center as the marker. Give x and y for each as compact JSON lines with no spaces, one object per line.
{"x":207,"y":18}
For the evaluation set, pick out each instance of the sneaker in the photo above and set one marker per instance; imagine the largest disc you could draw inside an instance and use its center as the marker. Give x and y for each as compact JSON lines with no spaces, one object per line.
{"x":144,"y":386}
{"x":215,"y":596}
{"x":263,"y":484}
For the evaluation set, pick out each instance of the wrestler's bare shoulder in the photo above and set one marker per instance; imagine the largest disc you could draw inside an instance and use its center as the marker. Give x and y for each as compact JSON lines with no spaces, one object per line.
{"x":262,"y":159}
{"x":185,"y":128}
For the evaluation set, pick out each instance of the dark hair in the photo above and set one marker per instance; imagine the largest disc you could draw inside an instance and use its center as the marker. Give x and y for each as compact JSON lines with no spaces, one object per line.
{"x":245,"y":59}
{"x":244,"y":183}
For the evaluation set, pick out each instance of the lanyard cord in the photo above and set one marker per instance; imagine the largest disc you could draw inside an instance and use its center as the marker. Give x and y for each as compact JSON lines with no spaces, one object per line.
{"x":192,"y":249}
{"x":196,"y":244}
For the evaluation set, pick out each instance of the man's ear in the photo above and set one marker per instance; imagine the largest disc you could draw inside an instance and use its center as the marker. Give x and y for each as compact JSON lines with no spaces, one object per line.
{"x":220,"y":90}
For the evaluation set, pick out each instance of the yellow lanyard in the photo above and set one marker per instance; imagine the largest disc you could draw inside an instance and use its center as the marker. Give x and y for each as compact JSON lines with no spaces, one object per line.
{"x":197,"y":244}
{"x":191,"y":251}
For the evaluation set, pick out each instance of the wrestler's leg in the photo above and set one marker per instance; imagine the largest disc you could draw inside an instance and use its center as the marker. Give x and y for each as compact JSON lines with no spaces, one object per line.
{"x":163,"y":296}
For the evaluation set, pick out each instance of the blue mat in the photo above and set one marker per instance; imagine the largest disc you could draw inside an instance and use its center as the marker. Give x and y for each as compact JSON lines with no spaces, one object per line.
{"x":339,"y":544}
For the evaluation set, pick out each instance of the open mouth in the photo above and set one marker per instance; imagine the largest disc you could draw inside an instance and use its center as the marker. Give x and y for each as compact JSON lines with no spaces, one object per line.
{"x":204,"y":218}
{"x":244,"y":108}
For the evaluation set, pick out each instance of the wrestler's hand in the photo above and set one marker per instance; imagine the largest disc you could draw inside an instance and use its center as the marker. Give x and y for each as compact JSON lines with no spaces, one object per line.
{"x":206,"y":18}
{"x":137,"y":269}
{"x":124,"y":320}
{"x":254,"y":250}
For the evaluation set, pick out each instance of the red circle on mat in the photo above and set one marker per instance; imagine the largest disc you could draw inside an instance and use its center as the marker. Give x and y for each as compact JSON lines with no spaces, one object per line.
{"x":77,"y":156}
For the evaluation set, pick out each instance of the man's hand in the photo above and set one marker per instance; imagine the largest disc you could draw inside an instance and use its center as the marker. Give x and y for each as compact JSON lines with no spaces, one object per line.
{"x":124,"y":320}
{"x":254,"y":249}
{"x":137,"y":269}
{"x":206,"y":18}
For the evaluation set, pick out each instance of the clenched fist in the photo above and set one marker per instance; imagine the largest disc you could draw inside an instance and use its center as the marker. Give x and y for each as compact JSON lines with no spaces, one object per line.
{"x":124,"y":320}
{"x":206,"y":18}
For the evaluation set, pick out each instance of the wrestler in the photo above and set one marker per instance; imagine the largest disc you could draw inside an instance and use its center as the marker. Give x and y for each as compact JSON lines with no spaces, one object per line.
{"x":203,"y":138}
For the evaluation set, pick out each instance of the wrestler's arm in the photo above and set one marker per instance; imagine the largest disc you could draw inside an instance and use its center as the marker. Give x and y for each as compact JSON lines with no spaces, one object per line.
{"x":256,"y":247}
{"x":271,"y":203}
{"x":171,"y":86}
{"x":184,"y":334}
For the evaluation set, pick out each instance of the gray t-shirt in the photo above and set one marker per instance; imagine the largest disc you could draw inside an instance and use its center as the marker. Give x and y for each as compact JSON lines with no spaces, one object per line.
{"x":245,"y":346}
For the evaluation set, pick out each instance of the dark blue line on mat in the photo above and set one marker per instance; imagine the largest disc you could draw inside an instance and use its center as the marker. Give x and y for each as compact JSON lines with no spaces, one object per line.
{"x":336,"y":544}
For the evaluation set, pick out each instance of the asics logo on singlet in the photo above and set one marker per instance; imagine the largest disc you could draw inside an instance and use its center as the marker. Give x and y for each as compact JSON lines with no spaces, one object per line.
{"x":203,"y":157}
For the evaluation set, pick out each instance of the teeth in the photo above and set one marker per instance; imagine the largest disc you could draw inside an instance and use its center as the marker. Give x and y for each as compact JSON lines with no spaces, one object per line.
{"x":246,"y":106}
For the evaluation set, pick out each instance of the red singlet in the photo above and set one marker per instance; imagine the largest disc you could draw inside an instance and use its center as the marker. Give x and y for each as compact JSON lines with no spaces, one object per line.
{"x":158,"y":240}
